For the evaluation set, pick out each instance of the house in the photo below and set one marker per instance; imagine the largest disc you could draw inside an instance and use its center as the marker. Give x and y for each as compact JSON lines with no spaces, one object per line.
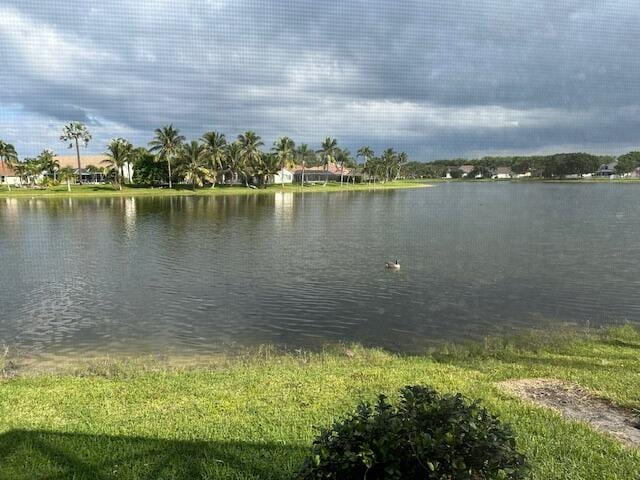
{"x":502,"y":173}
{"x":331,"y":173}
{"x":466,"y":170}
{"x":8,"y":176}
{"x":523,"y":175}
{"x":283,"y":176}
{"x":89,"y":175}
{"x":606,"y":170}
{"x":453,"y":172}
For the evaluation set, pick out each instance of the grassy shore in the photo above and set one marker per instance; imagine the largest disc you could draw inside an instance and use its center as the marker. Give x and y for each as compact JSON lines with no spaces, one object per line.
{"x":253,"y":417}
{"x":108,"y":190}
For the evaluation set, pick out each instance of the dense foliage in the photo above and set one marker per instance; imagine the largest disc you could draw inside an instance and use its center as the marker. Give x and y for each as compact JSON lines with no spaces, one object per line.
{"x":544,"y":166}
{"x":213,"y":159}
{"x":425,"y":436}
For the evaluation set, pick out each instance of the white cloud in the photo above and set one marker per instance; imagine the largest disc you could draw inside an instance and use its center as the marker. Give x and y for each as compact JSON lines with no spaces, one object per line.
{"x":46,"y":52}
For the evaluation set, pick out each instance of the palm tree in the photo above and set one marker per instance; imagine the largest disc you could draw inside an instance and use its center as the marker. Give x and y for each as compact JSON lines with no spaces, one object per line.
{"x":49,"y":163}
{"x":75,"y":133}
{"x":328,"y":154}
{"x":402,"y":160}
{"x":372,"y":168}
{"x":389,"y":161}
{"x":366,"y":153}
{"x":118,"y":153}
{"x":251,"y":155}
{"x":304,"y":153}
{"x":284,"y":148}
{"x":268,"y":165}
{"x":66,"y":174}
{"x":343,"y":156}
{"x":8,"y":155}
{"x":215,"y":144}
{"x":193,"y":163}
{"x":166,"y":144}
{"x":233,"y":159}
{"x":33,"y":170}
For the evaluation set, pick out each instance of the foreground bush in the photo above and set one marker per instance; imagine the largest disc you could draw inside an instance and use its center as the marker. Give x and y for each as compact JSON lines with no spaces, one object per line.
{"x":426,"y":435}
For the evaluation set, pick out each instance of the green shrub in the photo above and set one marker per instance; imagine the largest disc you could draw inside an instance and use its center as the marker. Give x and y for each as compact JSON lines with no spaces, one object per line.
{"x":426,"y":435}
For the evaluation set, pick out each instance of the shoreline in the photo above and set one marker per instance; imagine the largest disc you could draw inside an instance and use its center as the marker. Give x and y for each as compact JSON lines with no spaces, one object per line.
{"x":261,"y":412}
{"x":89,"y":191}
{"x":17,"y":364}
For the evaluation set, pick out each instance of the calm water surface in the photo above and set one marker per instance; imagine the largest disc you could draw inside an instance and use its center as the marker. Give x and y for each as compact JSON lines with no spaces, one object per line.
{"x":199,"y":275}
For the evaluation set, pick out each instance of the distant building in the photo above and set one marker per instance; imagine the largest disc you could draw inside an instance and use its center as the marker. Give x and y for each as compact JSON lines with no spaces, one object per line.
{"x":466,"y":170}
{"x":453,"y":171}
{"x":502,"y":173}
{"x":283,"y":176}
{"x":606,"y":170}
{"x":318,"y":174}
{"x":88,"y":174}
{"x":8,"y":176}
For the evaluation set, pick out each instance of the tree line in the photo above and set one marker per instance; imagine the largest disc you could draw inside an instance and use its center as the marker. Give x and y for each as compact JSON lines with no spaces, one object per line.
{"x":211,"y":159}
{"x":542,"y":166}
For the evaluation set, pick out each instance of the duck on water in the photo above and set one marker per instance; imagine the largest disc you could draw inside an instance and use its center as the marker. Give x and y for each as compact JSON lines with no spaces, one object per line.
{"x":393,"y":265}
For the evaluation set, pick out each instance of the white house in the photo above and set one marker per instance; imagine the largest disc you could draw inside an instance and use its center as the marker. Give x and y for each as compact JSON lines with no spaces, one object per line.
{"x":502,"y":173}
{"x":283,"y":176}
{"x":523,"y":175}
{"x":8,"y":176}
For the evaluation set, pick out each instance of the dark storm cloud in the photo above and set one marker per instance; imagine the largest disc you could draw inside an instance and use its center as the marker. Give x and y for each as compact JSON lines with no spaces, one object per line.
{"x":433,"y":78}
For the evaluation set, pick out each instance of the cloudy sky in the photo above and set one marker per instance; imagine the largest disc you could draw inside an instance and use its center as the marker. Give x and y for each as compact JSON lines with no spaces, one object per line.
{"x":436,"y":78}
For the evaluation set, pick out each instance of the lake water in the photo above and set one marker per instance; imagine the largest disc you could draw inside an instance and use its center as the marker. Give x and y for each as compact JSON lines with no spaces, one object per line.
{"x":205,"y":274}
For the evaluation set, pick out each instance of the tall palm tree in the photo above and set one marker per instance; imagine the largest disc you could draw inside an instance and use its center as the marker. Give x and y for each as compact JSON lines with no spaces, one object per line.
{"x":66,"y":174}
{"x":251,"y":155}
{"x":118,"y":154}
{"x":193,"y":163}
{"x":366,"y":153}
{"x":8,"y":155}
{"x":328,"y":154}
{"x":215,"y":145}
{"x":166,"y":144}
{"x":343,"y":156}
{"x":389,"y":160}
{"x":304,"y":153}
{"x":284,"y":148}
{"x":75,"y":133}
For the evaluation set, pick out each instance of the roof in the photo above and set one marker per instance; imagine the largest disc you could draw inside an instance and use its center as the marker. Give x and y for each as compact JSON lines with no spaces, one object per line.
{"x":5,"y":171}
{"x":607,"y":167}
{"x":72,"y":160}
{"x":467,"y":168}
{"x":503,"y":170}
{"x":332,"y":168}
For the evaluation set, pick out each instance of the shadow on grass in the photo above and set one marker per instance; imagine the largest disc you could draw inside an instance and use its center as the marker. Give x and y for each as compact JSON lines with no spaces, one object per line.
{"x":53,"y":455}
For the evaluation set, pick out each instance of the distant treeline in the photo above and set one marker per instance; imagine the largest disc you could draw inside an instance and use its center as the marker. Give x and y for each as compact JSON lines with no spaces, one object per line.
{"x":546,"y":166}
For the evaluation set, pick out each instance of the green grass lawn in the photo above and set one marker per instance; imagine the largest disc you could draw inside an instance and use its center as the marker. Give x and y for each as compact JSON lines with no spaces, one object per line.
{"x":109,"y":190}
{"x":254,"y":417}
